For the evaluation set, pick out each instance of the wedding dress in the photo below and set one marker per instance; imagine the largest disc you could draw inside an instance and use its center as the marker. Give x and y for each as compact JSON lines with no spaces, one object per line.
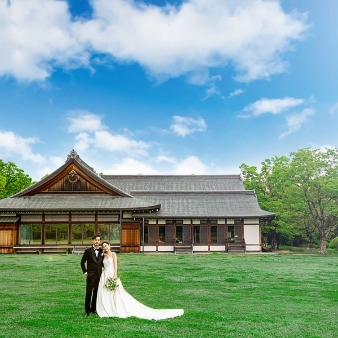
{"x":119,"y":303}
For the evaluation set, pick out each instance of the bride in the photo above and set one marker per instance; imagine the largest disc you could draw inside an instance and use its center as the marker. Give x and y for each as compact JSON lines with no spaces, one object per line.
{"x":119,"y":303}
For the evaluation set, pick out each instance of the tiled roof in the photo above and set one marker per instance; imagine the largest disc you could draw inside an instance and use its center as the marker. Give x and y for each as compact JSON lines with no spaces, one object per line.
{"x":227,"y":204}
{"x":9,"y":219}
{"x":179,"y":183}
{"x":74,"y":202}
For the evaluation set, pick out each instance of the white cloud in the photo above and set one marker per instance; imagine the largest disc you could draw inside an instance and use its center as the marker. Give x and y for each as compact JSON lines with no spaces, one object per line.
{"x":90,"y":131}
{"x":130,"y":166}
{"x":36,"y":36}
{"x":107,"y":141}
{"x":183,"y":126}
{"x":334,"y":109}
{"x":84,"y":121}
{"x":12,"y":144}
{"x":295,"y":121}
{"x":272,"y":106}
{"x":162,"y":158}
{"x":236,"y":92}
{"x":53,"y":163}
{"x":190,"y":165}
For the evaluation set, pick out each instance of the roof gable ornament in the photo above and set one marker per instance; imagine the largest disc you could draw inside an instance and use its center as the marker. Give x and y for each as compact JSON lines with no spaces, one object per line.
{"x":74,"y":155}
{"x":72,"y":176}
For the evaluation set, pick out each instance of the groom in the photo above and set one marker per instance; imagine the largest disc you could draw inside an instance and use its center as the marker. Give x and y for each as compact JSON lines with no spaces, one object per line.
{"x":93,"y":258}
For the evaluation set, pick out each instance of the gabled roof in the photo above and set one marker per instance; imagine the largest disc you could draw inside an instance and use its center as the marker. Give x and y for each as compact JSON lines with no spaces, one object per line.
{"x":76,"y":168}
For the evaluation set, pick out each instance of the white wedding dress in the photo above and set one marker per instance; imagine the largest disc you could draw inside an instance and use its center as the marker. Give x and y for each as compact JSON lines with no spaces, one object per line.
{"x":119,"y":303}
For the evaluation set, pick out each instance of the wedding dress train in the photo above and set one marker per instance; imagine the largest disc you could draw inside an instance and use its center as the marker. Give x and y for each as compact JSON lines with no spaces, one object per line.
{"x":119,"y":303}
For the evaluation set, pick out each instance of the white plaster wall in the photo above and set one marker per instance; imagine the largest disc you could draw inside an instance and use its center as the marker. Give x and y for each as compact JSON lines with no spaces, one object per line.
{"x":165,"y":249}
{"x":252,"y":237}
{"x":253,"y":248}
{"x":217,"y":248}
{"x":203,"y":248}
{"x":148,"y":248}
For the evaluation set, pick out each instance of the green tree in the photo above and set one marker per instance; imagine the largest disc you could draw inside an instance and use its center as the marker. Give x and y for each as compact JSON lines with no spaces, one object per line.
{"x":271,"y":188}
{"x":303,"y":192}
{"x":314,"y":178}
{"x":12,"y":179}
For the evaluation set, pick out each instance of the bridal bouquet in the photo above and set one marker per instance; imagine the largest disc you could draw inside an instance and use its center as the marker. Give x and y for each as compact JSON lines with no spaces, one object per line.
{"x":111,"y":284}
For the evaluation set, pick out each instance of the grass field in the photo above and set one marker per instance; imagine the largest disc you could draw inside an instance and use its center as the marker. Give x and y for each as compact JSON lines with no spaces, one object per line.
{"x":263,"y":295}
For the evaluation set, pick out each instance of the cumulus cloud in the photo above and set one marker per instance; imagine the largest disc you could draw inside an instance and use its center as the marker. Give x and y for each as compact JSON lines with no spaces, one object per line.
{"x":12,"y":144}
{"x":190,"y":165}
{"x":272,"y":106}
{"x":90,"y":132}
{"x":130,"y":166}
{"x":187,"y":166}
{"x":84,"y":121}
{"x":295,"y":121}
{"x":189,"y":38}
{"x":35,"y":37}
{"x":183,"y":126}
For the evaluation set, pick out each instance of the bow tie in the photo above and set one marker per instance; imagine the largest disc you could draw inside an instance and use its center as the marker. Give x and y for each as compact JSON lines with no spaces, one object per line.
{"x":96,"y":249}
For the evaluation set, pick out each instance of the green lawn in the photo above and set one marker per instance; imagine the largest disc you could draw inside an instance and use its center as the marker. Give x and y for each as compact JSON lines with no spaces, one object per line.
{"x":263,"y":295}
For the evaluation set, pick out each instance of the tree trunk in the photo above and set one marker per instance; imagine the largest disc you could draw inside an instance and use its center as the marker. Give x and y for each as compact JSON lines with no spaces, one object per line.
{"x":323,"y":244}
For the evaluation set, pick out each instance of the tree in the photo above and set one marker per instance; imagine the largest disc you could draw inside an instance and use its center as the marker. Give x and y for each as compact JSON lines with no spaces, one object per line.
{"x":271,"y":188}
{"x":12,"y":179}
{"x":314,"y":177}
{"x":303,"y":192}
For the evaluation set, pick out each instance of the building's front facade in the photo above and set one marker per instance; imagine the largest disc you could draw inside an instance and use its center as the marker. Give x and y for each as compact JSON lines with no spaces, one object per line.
{"x":201,"y":213}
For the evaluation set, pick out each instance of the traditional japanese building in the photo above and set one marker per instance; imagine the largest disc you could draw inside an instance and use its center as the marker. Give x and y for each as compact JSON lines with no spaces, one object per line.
{"x":142,"y":213}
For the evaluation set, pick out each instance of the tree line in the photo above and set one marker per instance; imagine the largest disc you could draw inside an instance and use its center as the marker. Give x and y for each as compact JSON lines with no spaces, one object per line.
{"x":302,"y":190}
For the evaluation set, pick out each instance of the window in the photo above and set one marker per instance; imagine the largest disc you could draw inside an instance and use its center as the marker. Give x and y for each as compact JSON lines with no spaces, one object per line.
{"x":30,"y":234}
{"x":213,"y":230}
{"x":161,"y":234}
{"x":231,"y":233}
{"x":146,"y":234}
{"x":110,"y":232}
{"x":82,"y":233}
{"x":197,"y":229}
{"x":56,"y":234}
{"x":179,"y":234}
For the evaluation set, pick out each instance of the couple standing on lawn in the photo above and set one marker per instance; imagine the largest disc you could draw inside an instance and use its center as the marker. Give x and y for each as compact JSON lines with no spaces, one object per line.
{"x":99,"y":264}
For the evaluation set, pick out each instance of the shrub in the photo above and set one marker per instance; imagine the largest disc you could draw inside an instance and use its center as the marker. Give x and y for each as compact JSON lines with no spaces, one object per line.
{"x":334,"y":243}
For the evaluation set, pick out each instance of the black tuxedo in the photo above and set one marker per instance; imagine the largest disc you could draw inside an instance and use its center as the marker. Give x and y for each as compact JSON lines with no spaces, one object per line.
{"x":93,"y":266}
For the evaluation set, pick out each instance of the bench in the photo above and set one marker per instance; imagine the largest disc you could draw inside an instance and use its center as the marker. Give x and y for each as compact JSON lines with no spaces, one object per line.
{"x":39,"y":249}
{"x":183,"y":248}
{"x":79,"y":249}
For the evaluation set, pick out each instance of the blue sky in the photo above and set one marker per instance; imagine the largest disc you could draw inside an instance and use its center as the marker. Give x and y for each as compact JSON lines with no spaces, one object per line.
{"x":166,"y":87}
